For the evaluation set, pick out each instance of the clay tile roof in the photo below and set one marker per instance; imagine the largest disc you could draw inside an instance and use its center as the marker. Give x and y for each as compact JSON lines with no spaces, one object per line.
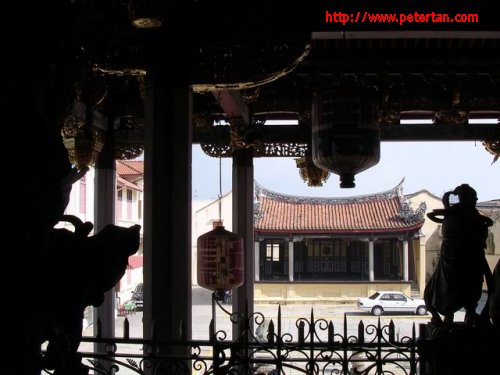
{"x":130,"y":167}
{"x":386,"y":211}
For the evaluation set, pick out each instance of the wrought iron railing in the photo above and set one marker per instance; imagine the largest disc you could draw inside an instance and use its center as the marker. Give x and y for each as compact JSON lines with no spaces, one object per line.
{"x":316,"y":347}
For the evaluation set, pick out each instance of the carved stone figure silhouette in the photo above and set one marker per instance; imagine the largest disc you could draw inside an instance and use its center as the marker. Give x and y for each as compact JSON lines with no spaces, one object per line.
{"x":80,"y":270}
{"x":458,"y":278}
{"x":494,"y":298}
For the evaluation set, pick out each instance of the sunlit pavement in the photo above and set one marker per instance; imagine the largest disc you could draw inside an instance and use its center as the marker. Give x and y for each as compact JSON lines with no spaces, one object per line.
{"x":345,"y":318}
{"x":291,"y":315}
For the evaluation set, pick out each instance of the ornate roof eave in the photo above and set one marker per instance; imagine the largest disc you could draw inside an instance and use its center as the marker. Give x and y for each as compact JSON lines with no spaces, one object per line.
{"x":407,"y":218}
{"x":316,"y":232}
{"x":407,"y":214}
{"x":294,"y":199}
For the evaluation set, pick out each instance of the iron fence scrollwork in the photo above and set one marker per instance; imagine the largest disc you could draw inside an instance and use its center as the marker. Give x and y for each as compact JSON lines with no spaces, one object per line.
{"x":314,"y":346}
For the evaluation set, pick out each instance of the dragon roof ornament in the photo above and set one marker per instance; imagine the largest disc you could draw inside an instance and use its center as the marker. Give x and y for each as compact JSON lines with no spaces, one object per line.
{"x":261,"y":191}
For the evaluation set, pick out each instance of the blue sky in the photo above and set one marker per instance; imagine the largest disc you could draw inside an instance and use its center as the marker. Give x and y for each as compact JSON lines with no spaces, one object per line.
{"x":434,"y":166}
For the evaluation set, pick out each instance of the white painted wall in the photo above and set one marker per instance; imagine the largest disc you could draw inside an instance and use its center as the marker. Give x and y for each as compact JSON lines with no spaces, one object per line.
{"x":428,"y":250}
{"x":73,"y":208}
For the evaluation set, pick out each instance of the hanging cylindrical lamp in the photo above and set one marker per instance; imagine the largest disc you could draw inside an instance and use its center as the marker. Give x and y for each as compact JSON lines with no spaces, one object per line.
{"x":82,"y":139}
{"x":129,"y":118}
{"x":345,"y":132}
{"x":220,"y":260}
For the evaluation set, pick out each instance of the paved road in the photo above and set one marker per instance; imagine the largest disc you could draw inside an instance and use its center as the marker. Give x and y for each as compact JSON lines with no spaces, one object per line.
{"x":291,"y":317}
{"x":291,"y":314}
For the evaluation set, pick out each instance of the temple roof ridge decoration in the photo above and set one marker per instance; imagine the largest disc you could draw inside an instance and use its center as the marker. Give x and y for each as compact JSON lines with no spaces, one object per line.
{"x":396,"y":191}
{"x":384,"y":212}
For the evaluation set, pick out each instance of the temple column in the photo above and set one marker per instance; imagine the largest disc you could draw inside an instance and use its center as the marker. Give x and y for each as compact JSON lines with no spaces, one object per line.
{"x":405,"y":260}
{"x":104,"y":214}
{"x":243,"y":226}
{"x":371,"y":262}
{"x":290,"y":260}
{"x":257,"y":261}
{"x":167,"y":201}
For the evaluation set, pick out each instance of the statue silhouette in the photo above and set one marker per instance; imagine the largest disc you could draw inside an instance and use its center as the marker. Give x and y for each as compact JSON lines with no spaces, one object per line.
{"x":80,"y":269}
{"x":458,"y":278}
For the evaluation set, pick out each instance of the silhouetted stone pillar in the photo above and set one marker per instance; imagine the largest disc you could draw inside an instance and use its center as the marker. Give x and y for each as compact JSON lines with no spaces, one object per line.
{"x":104,"y":214}
{"x":243,"y":225}
{"x":36,"y":86}
{"x":167,"y":203}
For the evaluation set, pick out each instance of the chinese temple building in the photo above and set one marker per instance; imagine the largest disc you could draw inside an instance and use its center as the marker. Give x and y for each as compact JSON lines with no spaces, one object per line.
{"x":310,"y":248}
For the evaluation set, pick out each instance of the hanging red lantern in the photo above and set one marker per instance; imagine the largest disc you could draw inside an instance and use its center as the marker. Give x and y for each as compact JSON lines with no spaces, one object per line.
{"x":220,"y":260}
{"x":345,"y":132}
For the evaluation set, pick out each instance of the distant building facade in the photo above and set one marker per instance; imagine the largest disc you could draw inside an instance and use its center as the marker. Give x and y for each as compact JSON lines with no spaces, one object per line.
{"x":329,"y":249}
{"x":334,"y":248}
{"x":306,"y":248}
{"x":492,"y":210}
{"x":128,"y":208}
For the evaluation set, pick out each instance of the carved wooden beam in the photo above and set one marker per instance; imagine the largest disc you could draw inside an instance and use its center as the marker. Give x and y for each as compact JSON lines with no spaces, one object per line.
{"x":233,"y":104}
{"x":220,"y":135}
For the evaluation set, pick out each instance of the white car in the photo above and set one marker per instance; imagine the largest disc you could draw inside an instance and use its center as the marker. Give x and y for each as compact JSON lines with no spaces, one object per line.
{"x":392,"y":301}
